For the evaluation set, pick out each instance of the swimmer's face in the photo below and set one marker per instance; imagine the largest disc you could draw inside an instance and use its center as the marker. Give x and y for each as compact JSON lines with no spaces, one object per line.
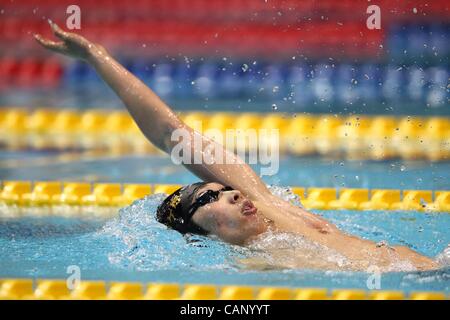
{"x":233,"y":218}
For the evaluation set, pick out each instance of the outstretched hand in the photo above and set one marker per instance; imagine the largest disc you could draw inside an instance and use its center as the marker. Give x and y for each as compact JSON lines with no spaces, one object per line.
{"x":72,"y":45}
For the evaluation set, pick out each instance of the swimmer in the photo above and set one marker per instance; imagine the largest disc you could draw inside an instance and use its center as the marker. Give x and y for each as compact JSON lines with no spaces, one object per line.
{"x":232,"y":203}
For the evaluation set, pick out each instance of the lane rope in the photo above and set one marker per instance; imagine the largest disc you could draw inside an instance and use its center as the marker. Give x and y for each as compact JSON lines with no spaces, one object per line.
{"x":353,"y":137}
{"x":65,"y":197}
{"x":51,"y":289}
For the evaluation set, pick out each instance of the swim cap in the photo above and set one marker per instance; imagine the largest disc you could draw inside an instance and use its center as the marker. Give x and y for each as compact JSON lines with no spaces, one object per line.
{"x":173,"y":211}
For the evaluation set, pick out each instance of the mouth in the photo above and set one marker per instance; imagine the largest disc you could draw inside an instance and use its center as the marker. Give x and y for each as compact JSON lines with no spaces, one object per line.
{"x":248,"y":208}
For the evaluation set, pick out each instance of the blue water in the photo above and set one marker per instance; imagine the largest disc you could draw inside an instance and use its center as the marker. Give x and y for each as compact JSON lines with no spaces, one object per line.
{"x":134,"y":247}
{"x":293,"y":171}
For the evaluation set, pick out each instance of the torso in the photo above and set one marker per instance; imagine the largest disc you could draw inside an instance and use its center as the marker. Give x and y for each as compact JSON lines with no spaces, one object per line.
{"x":357,"y":254}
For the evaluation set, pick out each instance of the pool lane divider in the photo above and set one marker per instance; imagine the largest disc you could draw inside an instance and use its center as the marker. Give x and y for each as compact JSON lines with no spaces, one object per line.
{"x":354,"y":137}
{"x":60,"y":197}
{"x":53,"y":289}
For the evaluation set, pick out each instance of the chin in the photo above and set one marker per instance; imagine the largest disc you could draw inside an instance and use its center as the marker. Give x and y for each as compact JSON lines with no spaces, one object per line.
{"x":254,"y":232}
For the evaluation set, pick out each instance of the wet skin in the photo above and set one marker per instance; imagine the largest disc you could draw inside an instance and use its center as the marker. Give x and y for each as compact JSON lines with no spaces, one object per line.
{"x":232,"y":221}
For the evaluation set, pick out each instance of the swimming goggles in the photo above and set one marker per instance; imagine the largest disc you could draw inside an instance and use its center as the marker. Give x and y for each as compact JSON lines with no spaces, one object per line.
{"x":207,"y":197}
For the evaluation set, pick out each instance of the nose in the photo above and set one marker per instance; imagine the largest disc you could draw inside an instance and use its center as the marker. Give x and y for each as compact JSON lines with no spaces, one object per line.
{"x":233,"y":196}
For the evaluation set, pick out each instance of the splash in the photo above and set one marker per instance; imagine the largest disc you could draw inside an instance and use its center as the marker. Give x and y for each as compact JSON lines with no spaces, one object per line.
{"x":443,"y":258}
{"x":142,"y":243}
{"x":293,"y":251}
{"x":286,"y":194}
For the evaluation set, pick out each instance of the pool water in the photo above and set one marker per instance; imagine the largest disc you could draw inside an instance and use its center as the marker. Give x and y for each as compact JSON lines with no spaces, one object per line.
{"x":293,"y":171}
{"x":134,"y":247}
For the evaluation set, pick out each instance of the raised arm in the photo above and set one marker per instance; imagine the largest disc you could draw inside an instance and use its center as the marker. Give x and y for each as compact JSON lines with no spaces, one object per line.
{"x":155,"y":119}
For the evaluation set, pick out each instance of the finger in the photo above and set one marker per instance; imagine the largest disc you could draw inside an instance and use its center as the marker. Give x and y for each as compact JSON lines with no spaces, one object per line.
{"x":41,"y":40}
{"x":52,"y":45}
{"x":58,"y":31}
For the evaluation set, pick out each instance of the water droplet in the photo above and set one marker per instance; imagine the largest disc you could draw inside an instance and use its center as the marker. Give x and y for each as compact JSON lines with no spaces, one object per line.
{"x":244,"y":67}
{"x":402,"y":167}
{"x":274,"y":106}
{"x":275,"y":89}
{"x":414,"y":10}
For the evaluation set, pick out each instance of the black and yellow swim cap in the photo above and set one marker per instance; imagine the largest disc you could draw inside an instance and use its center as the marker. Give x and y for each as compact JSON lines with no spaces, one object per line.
{"x":173,"y":211}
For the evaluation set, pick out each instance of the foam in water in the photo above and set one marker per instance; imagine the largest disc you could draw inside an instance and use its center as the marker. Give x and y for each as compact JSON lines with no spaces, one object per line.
{"x":288,"y":250}
{"x":443,"y":258}
{"x":286,"y":194}
{"x":145,"y":244}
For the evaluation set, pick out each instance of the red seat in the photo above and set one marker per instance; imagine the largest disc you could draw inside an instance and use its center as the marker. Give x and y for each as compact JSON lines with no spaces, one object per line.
{"x":8,"y":68}
{"x":51,"y":73}
{"x":28,"y":73}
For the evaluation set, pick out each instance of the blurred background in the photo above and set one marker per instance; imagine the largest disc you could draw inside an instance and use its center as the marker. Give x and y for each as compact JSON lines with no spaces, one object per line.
{"x":355,"y":107}
{"x":363,"y":118}
{"x":236,"y":55}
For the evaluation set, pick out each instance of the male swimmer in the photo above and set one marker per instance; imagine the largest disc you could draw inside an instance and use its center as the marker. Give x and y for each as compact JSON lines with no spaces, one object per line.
{"x":232,"y":203}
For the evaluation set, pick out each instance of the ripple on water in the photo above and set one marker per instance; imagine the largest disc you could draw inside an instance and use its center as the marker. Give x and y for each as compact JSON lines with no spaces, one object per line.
{"x":144,"y":244}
